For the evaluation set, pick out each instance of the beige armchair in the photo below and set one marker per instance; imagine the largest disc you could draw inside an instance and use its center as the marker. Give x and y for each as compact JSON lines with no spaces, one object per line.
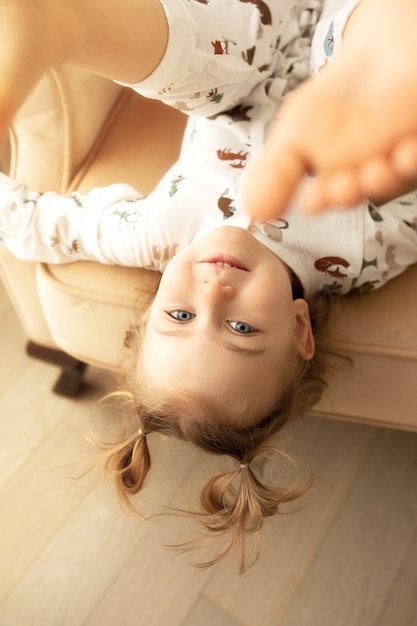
{"x":77,"y":131}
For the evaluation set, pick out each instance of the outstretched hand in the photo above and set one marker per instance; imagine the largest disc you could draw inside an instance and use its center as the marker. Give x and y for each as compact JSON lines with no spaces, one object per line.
{"x":354,"y":128}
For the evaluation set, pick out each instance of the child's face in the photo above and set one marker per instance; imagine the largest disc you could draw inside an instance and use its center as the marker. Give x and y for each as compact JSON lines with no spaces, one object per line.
{"x":224,"y":324}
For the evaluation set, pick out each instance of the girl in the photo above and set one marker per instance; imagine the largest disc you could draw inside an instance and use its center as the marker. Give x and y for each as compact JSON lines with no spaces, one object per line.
{"x":230,"y":349}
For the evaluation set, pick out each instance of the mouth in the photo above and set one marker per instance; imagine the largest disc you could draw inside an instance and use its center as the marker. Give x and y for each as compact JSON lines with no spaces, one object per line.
{"x":226,"y":262}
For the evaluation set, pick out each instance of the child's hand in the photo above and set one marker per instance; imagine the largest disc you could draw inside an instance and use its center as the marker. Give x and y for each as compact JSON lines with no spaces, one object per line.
{"x":354,"y":128}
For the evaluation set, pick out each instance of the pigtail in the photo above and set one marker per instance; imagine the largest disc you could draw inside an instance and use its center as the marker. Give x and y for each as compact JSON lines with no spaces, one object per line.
{"x":235,"y":504}
{"x":128,"y":463}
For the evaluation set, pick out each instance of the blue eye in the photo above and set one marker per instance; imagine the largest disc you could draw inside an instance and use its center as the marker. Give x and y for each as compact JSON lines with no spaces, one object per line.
{"x":241,"y":327}
{"x":181,"y":316}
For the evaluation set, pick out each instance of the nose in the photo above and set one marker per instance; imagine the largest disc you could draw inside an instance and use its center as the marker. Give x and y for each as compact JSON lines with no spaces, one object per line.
{"x":216,"y":290}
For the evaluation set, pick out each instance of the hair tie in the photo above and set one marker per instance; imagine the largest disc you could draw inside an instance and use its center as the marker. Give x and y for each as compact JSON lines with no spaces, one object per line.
{"x":141,"y":432}
{"x":244,"y":465}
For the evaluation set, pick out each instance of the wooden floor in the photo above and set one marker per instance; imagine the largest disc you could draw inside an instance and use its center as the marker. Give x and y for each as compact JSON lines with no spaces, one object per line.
{"x":70,"y":557}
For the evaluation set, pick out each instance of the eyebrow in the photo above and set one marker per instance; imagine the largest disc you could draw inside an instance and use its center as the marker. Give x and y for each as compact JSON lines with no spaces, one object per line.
{"x":229,"y":345}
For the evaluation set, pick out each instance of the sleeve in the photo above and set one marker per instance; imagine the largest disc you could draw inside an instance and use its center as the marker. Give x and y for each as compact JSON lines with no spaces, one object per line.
{"x":328,"y":35}
{"x":111,"y":225}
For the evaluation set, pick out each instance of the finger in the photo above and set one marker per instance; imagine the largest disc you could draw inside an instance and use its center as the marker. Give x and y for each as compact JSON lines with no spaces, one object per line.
{"x":378,"y":179}
{"x":270,"y":181}
{"x":335,"y":190}
{"x":404,"y":158}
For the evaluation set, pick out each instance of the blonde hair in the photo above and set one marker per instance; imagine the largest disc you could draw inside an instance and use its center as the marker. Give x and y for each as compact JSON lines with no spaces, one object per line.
{"x":234,"y":502}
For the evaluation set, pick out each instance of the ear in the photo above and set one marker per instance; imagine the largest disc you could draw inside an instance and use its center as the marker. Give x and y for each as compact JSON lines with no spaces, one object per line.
{"x":303,"y":333}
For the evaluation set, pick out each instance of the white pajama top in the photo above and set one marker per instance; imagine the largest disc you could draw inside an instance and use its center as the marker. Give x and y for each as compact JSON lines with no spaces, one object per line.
{"x":228,"y":64}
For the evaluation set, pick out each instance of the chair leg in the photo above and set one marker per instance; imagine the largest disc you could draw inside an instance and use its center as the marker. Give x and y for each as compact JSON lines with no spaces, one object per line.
{"x":70,"y":381}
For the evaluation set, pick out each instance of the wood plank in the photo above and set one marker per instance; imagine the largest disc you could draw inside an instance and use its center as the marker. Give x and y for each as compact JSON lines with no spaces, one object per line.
{"x":156,"y":585}
{"x":75,"y":567}
{"x":400,"y":607}
{"x":39,"y":495}
{"x":29,"y":411}
{"x":410,"y":565}
{"x":205,"y":613}
{"x":154,"y":588}
{"x":99,"y":562}
{"x":365,"y":548}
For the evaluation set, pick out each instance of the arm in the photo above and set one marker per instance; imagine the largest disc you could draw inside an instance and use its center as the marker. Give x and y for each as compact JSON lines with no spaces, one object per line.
{"x":112,"y":225}
{"x":121,"y":39}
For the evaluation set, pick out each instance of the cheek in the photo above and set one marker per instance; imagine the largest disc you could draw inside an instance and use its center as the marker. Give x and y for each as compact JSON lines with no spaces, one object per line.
{"x":180,"y":266}
{"x":169,"y":275}
{"x":173,"y":280}
{"x":272,"y":297}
